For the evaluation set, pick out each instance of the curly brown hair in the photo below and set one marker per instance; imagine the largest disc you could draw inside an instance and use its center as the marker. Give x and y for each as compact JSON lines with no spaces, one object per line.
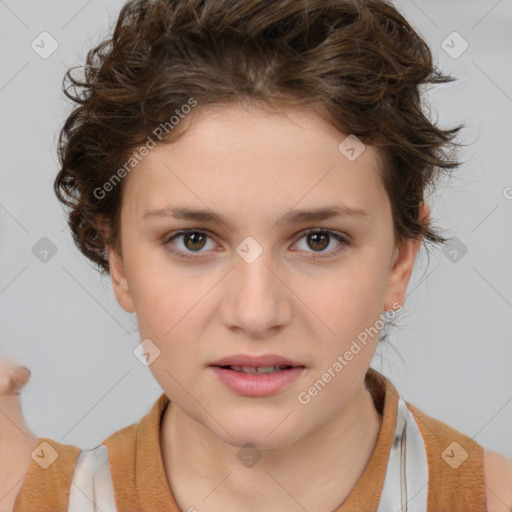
{"x":358,"y":62}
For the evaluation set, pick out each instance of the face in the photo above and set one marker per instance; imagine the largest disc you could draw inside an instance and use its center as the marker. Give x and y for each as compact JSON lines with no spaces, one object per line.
{"x":258,"y":282}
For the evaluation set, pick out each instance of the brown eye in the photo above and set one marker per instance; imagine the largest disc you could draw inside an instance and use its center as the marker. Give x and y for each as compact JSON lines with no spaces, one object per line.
{"x":319,"y":241}
{"x":194,"y":241}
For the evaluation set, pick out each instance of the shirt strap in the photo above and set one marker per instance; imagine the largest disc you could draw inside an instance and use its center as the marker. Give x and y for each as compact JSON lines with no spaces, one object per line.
{"x":91,"y":487}
{"x":406,"y":483}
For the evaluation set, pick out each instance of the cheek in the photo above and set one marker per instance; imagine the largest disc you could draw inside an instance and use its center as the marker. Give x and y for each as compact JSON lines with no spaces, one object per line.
{"x":347,"y":320}
{"x":159,"y":291}
{"x":170,"y":311}
{"x":354,"y":297}
{"x":166,"y":315}
{"x":155,"y":297}
{"x":163,"y":307}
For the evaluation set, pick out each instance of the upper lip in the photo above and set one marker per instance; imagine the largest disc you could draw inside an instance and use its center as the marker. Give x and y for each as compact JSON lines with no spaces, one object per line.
{"x":253,"y":361}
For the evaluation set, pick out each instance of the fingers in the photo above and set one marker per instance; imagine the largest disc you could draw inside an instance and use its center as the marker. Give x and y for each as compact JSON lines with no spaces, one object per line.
{"x":13,"y":378}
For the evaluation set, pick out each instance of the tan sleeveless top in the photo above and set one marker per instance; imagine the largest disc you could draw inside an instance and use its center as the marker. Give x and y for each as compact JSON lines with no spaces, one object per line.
{"x":133,"y":478}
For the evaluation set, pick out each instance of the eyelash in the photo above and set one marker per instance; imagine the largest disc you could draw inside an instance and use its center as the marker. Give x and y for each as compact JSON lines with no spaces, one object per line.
{"x":189,"y":256}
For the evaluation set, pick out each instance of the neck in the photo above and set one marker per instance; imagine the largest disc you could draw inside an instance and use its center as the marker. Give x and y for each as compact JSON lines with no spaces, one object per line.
{"x":321,"y":468}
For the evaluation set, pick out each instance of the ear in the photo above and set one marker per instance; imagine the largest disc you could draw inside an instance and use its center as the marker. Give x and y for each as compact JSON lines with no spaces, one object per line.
{"x":119,"y":280}
{"x":402,"y":266}
{"x":116,"y":267}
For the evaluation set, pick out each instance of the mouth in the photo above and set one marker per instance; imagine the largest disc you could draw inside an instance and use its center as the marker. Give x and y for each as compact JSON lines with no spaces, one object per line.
{"x":257,"y":381}
{"x":258,"y":370}
{"x":262,"y":362}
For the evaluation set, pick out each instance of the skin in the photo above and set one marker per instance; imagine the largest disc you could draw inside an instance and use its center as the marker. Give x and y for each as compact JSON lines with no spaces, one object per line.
{"x":252,"y":167}
{"x":306,"y":310}
{"x":498,"y":480}
{"x":16,"y":440}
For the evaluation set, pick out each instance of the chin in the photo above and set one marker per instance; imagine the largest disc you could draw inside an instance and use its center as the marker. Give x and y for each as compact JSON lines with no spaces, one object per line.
{"x":262,"y":435}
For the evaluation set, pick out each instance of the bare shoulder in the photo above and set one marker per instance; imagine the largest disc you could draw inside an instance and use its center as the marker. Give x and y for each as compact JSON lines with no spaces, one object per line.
{"x":498,"y":481}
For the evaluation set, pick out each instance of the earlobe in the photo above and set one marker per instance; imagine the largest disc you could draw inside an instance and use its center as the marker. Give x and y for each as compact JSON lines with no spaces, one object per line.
{"x":119,"y":280}
{"x":116,"y":267}
{"x":403,"y":264}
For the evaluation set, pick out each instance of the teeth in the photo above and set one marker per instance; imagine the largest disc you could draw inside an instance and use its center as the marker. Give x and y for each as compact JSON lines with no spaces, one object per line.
{"x":258,"y":369}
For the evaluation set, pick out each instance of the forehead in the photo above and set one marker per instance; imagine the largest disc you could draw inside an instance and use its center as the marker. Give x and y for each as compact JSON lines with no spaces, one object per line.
{"x":253,"y":158}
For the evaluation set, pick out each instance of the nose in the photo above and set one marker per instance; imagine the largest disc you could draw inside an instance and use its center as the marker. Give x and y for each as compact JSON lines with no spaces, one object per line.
{"x":255,"y":297}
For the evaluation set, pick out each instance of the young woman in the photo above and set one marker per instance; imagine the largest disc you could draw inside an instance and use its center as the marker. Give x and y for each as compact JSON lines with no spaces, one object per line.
{"x":252,"y":175}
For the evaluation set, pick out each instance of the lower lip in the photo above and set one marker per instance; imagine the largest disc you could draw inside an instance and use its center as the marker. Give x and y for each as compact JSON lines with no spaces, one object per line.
{"x":257,"y":385}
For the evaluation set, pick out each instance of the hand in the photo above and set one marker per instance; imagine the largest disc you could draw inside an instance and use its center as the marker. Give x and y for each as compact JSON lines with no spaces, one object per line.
{"x":16,"y":440}
{"x":12,"y":378}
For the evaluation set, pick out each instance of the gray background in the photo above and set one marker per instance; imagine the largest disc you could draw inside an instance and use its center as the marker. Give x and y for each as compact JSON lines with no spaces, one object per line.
{"x":453,"y":352}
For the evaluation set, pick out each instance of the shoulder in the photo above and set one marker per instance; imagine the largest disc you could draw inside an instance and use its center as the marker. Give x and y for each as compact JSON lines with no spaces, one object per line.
{"x":498,"y":481}
{"x":454,"y":446}
{"x":455,"y":465}
{"x":47,"y":482}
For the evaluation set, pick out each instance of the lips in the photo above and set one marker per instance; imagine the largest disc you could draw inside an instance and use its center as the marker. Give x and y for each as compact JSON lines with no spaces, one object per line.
{"x":262,"y":361}
{"x":250,"y":382}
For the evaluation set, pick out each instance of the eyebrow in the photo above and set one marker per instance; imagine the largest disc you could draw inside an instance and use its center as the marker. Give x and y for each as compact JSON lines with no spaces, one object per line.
{"x":291,"y":217}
